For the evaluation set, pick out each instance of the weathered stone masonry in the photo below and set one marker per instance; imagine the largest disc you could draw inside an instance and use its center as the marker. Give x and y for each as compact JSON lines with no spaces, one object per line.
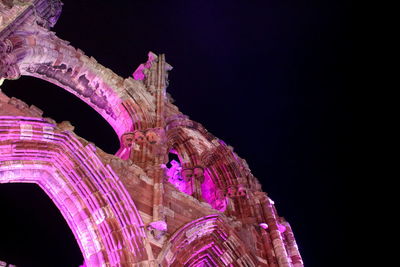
{"x":131,"y":209}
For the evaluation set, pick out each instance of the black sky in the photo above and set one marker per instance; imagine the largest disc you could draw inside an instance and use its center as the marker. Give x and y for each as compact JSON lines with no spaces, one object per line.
{"x":270,"y":78}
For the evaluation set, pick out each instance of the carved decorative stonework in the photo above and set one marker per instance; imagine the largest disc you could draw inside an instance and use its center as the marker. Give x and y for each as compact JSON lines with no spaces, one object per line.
{"x":158,"y":229}
{"x":133,"y":208}
{"x":241,"y":191}
{"x":231,"y":192}
{"x":196,"y":173}
{"x":8,"y":61}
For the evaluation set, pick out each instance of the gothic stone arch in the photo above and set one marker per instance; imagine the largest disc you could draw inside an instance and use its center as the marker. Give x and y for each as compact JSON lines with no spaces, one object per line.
{"x":130,"y":209}
{"x":207,"y":241}
{"x":92,"y":199}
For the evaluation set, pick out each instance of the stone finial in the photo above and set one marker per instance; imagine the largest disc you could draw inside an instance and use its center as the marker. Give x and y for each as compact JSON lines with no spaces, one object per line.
{"x":140,"y":72}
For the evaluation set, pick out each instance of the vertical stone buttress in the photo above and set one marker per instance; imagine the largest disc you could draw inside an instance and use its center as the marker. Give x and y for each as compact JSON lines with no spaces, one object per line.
{"x":158,"y":172}
{"x":275,"y":235}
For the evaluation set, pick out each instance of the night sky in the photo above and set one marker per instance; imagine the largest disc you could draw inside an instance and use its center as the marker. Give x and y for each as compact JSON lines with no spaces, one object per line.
{"x":270,"y":78}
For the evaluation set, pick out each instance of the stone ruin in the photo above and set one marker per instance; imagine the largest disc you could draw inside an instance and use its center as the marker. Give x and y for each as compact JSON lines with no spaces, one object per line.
{"x":132,"y":208}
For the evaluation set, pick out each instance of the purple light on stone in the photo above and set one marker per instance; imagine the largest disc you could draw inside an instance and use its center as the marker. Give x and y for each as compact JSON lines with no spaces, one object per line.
{"x":123,"y":153}
{"x":159,"y":225}
{"x":212,"y":195}
{"x":281,"y":228}
{"x":222,"y":142}
{"x":85,"y":197}
{"x":175,"y":178}
{"x":151,"y":58}
{"x":202,"y":249}
{"x":217,"y":250}
{"x":264,"y":225}
{"x":138,"y":73}
{"x":174,"y":170}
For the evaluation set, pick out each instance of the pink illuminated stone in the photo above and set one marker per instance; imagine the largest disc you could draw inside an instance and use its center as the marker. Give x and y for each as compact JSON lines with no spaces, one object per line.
{"x":159,"y":225}
{"x":151,"y":59}
{"x":174,"y":175}
{"x":138,"y":74}
{"x":173,"y":172}
{"x":281,"y":228}
{"x":85,"y":190}
{"x":129,"y":209}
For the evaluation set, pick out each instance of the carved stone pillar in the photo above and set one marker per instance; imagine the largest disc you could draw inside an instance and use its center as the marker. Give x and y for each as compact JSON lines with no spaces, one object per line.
{"x":269,"y":248}
{"x":275,"y":233}
{"x":148,"y":149}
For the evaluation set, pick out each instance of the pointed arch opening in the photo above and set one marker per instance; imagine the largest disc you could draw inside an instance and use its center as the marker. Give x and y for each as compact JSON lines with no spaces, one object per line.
{"x":207,"y":241}
{"x":90,"y":196}
{"x":34,"y":232}
{"x":61,"y":105}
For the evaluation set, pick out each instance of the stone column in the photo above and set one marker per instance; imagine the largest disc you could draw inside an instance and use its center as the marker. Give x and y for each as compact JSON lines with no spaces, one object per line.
{"x":268,"y":248}
{"x":292,"y":248}
{"x":160,"y":87}
{"x":275,"y":234}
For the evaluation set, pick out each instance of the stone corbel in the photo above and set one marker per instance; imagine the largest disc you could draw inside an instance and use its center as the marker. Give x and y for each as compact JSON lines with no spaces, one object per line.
{"x":157,"y":229}
{"x":235,"y":191}
{"x":152,"y":137}
{"x":8,"y":61}
{"x":195,"y":176}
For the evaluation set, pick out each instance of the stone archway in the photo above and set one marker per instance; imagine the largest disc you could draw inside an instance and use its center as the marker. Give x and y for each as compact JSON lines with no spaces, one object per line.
{"x":226,"y":175}
{"x":28,"y":47}
{"x":207,"y":241}
{"x":91,"y":198}
{"x":33,"y":231}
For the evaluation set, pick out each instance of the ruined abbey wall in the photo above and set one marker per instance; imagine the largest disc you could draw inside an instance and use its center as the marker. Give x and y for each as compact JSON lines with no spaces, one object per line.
{"x":134,"y":208}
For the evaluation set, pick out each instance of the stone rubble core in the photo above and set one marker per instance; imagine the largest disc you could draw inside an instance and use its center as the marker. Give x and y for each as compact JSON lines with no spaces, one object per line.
{"x":131,"y":209}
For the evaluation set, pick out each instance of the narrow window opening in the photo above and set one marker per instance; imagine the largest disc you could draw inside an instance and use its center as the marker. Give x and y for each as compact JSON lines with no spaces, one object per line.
{"x":172,"y":156}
